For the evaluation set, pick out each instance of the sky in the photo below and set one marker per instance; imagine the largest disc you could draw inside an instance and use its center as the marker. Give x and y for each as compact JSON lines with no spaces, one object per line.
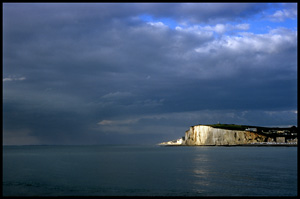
{"x":143,"y":73}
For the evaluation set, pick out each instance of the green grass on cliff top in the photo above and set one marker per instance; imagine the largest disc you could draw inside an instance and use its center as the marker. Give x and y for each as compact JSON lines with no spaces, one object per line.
{"x":231,"y":126}
{"x":243,"y":127}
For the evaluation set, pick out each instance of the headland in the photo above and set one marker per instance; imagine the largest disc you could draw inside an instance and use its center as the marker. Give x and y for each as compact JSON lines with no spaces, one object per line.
{"x":236,"y":135}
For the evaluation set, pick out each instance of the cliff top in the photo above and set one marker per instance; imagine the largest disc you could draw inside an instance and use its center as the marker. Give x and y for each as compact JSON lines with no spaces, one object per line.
{"x":231,"y":126}
{"x":243,"y":127}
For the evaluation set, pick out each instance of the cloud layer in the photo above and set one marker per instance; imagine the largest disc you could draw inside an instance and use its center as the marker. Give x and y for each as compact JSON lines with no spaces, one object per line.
{"x":101,"y":73}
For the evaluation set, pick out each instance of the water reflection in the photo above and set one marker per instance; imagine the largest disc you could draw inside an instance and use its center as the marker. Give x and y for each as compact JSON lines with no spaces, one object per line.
{"x":201,"y":173}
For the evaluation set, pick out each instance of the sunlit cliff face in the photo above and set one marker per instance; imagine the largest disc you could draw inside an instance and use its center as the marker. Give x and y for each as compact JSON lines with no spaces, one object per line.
{"x":201,"y":135}
{"x":206,"y":135}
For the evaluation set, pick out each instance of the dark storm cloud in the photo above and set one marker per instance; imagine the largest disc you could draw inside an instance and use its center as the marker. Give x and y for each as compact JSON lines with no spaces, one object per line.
{"x":97,"y":73}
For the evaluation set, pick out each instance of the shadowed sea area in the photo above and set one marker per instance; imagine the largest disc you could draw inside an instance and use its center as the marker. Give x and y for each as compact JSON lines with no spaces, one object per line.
{"x":149,"y":171}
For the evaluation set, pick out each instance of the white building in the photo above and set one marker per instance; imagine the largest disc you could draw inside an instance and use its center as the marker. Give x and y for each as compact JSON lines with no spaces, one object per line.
{"x":251,"y":129}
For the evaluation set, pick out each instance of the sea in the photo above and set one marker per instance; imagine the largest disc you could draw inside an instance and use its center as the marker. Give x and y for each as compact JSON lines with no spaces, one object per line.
{"x":149,"y":170}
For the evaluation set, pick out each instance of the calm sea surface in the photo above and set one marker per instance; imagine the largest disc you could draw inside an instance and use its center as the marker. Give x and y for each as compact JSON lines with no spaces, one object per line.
{"x":149,"y":171}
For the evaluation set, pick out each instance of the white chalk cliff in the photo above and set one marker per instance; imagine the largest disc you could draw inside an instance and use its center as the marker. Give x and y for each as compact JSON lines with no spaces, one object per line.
{"x":207,"y":135}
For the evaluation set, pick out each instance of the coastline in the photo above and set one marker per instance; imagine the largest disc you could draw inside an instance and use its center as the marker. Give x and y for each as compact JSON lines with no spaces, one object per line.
{"x":238,"y":145}
{"x":236,"y":135}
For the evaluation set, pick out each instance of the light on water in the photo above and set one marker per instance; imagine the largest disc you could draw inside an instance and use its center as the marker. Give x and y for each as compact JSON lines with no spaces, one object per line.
{"x":149,"y":171}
